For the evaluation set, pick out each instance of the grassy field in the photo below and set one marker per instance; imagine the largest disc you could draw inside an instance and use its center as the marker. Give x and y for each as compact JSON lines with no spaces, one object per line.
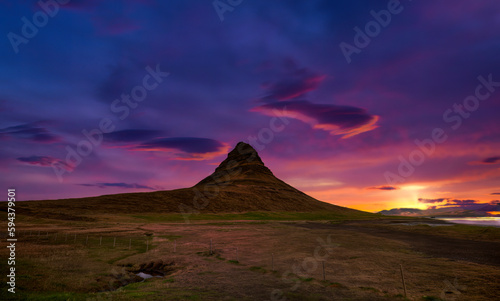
{"x":249,"y":256}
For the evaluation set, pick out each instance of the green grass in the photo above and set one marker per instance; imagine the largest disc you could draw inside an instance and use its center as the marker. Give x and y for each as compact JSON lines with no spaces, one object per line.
{"x":306,"y":279}
{"x":132,"y":286}
{"x":259,"y":216}
{"x":333,"y":284}
{"x":170,"y":237}
{"x":472,"y":232}
{"x":431,"y":298}
{"x":63,"y":296}
{"x":258,"y":269}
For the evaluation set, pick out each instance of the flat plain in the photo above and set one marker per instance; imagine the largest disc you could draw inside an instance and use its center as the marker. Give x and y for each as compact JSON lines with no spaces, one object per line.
{"x":253,"y":256}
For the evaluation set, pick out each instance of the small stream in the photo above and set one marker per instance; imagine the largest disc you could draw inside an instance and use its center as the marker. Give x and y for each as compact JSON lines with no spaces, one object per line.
{"x":145,"y":276}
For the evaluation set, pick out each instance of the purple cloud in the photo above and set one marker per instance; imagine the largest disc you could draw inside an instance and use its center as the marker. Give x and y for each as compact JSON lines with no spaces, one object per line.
{"x":460,"y":202}
{"x":295,"y":83}
{"x":43,"y":161}
{"x":338,"y":120}
{"x":132,"y":135}
{"x":495,"y":193}
{"x":491,"y":160}
{"x":384,"y":187}
{"x":431,"y":201}
{"x":30,"y":131}
{"x":186,"y":148}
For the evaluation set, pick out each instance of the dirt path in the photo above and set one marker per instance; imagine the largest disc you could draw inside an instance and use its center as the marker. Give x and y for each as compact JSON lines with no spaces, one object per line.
{"x":481,"y":252}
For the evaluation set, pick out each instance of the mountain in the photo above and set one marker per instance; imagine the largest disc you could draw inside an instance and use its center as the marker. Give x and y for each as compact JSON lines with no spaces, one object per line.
{"x":241,"y":183}
{"x":472,"y":210}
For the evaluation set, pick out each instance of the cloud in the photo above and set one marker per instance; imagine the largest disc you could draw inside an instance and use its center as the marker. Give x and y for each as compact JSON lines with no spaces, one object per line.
{"x":132,"y":135}
{"x":30,"y":131}
{"x":431,"y":201}
{"x":43,"y":161}
{"x":460,"y":202}
{"x":186,"y":148}
{"x":384,"y":187}
{"x":456,"y":205}
{"x":491,"y":160}
{"x":294,"y":83}
{"x":451,"y":207}
{"x":338,"y":120}
{"x":495,"y":193}
{"x":119,"y":185}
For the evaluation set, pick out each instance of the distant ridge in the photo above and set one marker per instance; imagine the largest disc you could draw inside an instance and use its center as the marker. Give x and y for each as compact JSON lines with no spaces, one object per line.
{"x":241,"y":183}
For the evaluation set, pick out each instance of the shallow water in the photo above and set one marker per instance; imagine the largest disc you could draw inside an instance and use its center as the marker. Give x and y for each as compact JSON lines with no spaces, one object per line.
{"x":144,"y":275}
{"x":479,"y":221}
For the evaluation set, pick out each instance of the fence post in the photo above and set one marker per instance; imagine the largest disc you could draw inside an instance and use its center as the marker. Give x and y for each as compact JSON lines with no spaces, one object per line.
{"x":147,"y":244}
{"x":403,"y":278}
{"x":324,"y":278}
{"x":114,"y":242}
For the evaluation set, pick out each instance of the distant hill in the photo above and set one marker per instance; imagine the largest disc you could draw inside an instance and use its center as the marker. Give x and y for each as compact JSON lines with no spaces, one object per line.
{"x":241,"y":183}
{"x":475,"y":210}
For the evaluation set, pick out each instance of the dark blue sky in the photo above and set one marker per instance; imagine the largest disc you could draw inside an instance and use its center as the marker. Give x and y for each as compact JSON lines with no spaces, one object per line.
{"x":271,"y":73}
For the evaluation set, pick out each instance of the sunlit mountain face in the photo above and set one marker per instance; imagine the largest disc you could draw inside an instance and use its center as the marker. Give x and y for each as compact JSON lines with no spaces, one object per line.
{"x":367,"y":104}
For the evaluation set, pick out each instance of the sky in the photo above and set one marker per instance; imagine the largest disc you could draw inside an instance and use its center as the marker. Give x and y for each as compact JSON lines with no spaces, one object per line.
{"x":367,"y":104}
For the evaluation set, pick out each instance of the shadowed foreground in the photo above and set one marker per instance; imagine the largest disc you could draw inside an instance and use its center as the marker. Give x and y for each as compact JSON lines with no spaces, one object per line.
{"x":250,"y":260}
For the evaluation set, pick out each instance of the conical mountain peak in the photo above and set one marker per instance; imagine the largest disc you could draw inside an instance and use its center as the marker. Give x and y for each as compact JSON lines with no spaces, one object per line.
{"x":243,"y":162}
{"x":243,"y":153}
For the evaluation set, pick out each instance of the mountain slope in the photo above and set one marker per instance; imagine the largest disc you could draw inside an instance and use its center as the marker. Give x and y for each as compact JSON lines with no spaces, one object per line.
{"x":241,"y":183}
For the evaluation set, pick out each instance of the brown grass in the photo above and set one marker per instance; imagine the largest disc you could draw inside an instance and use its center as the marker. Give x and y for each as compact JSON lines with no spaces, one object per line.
{"x":360,"y":267}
